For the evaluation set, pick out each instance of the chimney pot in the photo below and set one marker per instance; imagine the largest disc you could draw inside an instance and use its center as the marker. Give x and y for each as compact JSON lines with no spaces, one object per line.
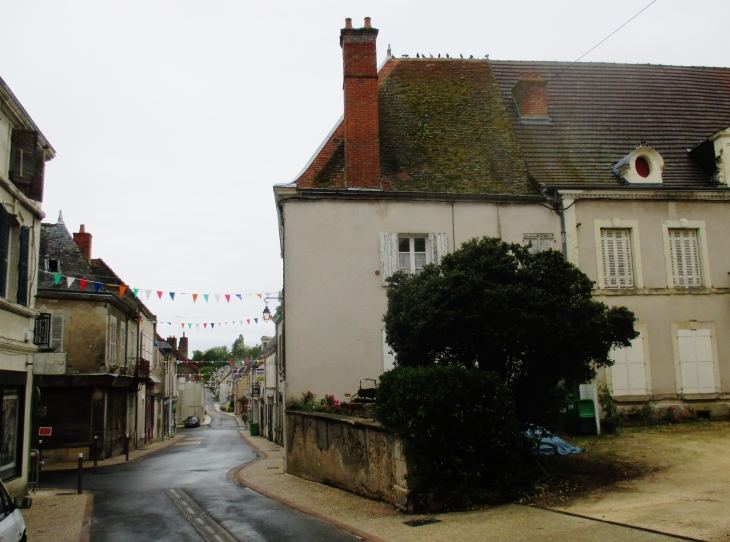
{"x":367,"y":22}
{"x":82,"y":229}
{"x":348,"y":23}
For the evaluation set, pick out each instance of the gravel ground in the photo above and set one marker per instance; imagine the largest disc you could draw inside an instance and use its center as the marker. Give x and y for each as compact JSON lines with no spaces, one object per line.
{"x":55,"y":516}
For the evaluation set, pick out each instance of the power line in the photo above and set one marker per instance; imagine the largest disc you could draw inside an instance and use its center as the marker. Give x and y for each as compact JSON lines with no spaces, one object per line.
{"x":602,"y":41}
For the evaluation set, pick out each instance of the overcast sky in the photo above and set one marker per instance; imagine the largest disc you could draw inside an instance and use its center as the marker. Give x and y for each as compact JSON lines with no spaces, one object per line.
{"x":172,"y":120}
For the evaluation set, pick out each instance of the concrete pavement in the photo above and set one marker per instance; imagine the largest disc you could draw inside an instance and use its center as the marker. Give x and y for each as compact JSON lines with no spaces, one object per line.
{"x":381,"y":522}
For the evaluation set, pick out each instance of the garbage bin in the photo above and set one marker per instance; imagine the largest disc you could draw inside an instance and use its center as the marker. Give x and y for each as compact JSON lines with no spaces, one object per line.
{"x":587,"y":416}
{"x":254,"y":429}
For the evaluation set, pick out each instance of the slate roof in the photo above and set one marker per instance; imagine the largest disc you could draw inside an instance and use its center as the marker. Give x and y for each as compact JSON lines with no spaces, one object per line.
{"x":450,"y":125}
{"x":600,"y":112}
{"x":57,"y":244}
{"x":443,"y":128}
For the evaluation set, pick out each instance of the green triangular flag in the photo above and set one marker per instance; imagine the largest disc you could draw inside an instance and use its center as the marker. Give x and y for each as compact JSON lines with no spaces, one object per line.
{"x":135,"y":290}
{"x":206,"y":297}
{"x":56,"y":278}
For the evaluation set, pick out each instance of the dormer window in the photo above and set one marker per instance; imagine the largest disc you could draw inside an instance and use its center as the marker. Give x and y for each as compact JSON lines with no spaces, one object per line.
{"x":53,"y":266}
{"x":642,"y":166}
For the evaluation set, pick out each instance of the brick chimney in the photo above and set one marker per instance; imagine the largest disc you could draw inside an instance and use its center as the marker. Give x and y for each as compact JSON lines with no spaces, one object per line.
{"x":362,"y":141}
{"x":83,"y":241}
{"x":530,"y":96}
{"x":172,"y":341}
{"x":183,"y":348}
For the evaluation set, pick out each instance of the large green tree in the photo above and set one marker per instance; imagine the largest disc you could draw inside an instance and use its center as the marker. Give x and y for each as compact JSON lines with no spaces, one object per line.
{"x":494,"y":306}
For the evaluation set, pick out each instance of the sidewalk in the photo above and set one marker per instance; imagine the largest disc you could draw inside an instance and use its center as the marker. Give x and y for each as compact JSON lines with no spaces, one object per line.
{"x":378,"y":521}
{"x":134,"y":455}
{"x":59,"y":515}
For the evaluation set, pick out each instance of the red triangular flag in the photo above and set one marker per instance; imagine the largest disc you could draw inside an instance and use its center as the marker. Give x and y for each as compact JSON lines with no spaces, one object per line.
{"x":258,"y":295}
{"x":83,"y":283}
{"x":248,"y":320}
{"x":205,"y":324}
{"x":228,"y":297}
{"x":159,"y":295}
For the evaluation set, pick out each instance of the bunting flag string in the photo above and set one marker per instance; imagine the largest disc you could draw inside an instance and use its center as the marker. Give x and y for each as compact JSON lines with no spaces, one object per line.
{"x":122,"y":288}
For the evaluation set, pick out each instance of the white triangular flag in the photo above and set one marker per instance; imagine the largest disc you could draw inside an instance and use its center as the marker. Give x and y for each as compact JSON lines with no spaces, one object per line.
{"x":197,"y":326}
{"x":69,"y":281}
{"x":148,"y":292}
{"x":217,"y":298}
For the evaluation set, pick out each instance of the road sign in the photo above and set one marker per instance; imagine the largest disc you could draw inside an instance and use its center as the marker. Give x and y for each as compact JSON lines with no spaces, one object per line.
{"x":44,"y":431}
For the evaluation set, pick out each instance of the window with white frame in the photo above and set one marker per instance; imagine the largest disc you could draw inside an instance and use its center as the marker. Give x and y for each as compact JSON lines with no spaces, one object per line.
{"x":412,"y":254}
{"x":618,"y":269}
{"x":409,"y":252}
{"x":685,"y":257}
{"x":112,"y":340}
{"x":539,"y":242}
{"x":628,"y":373}
{"x":696,"y":361}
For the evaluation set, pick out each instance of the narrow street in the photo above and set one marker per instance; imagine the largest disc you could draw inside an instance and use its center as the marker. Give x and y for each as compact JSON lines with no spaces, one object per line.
{"x":165,"y":496}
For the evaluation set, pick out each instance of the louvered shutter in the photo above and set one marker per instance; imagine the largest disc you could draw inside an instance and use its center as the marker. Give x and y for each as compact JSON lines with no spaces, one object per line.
{"x":23,"y":257}
{"x":4,"y":242}
{"x":57,"y":332}
{"x":112,"y":339}
{"x":388,"y":256}
{"x":22,"y":157}
{"x":35,"y":190}
{"x":685,"y":256}
{"x":438,"y":244}
{"x":618,"y":269}
{"x":705,"y":366}
{"x":123,"y":344}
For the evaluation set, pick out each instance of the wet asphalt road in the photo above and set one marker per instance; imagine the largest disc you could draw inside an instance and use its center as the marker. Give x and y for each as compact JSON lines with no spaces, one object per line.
{"x":131,"y":503}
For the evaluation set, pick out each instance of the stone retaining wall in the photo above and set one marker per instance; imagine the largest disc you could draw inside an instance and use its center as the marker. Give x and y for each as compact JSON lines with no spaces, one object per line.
{"x":353,"y":454}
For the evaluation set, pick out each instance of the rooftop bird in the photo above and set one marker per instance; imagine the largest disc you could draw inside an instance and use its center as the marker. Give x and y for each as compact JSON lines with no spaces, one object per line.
{"x":447,"y":55}
{"x":439,"y":55}
{"x":471,"y":56}
{"x":417,"y":55}
{"x":462,"y":56}
{"x":429,"y":54}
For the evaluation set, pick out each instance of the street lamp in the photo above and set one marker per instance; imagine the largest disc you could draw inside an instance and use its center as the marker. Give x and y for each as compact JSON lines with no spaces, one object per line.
{"x":267,"y":312}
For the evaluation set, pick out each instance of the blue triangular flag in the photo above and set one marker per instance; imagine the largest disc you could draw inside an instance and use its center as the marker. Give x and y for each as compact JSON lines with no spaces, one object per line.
{"x":212,"y":324}
{"x":172,"y":296}
{"x":97,"y":286}
{"x":256,"y":320}
{"x":239,"y":297}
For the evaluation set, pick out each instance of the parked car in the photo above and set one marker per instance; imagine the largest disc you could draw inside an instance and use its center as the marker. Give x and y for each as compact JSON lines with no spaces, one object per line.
{"x":12,"y":525}
{"x":192,"y":421}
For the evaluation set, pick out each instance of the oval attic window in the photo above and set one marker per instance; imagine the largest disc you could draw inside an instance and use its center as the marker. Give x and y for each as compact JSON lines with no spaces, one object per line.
{"x":642,"y":167}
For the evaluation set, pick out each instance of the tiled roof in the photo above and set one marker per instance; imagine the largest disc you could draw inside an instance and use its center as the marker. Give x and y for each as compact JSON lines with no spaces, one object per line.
{"x":601,"y":112}
{"x":443,"y":128}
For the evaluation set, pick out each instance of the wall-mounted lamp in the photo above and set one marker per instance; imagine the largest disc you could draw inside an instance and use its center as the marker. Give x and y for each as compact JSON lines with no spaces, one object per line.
{"x":267,"y":312}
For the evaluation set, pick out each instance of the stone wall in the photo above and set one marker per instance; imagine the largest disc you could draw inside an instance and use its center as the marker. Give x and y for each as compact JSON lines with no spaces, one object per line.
{"x":353,"y":454}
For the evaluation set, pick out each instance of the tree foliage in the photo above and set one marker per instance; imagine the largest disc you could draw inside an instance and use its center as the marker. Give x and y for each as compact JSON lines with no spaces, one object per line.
{"x":460,"y":434}
{"x":238,"y":351}
{"x":493,"y":306}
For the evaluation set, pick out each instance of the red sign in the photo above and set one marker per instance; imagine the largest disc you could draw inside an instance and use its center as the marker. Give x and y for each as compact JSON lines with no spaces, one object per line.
{"x":44,"y":431}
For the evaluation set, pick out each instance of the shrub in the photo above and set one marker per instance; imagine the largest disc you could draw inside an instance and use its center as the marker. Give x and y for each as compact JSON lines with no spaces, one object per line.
{"x":461,"y":437}
{"x":308,"y":403}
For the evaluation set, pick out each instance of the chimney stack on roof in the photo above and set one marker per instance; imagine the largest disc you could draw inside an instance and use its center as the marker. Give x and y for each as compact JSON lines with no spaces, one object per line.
{"x":183,"y":348}
{"x":362,"y":139}
{"x":172,"y":341}
{"x":530,"y":96}
{"x":83,"y":241}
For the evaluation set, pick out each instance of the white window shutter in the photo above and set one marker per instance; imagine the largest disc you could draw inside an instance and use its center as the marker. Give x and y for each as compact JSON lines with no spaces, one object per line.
{"x":628,"y":371}
{"x":112,"y":339}
{"x":685,"y":256}
{"x":618,"y":269}
{"x":688,"y":361}
{"x":388,"y":355}
{"x":123,"y":344}
{"x":388,"y":256}
{"x":57,"y":332}
{"x":619,"y":372}
{"x":439,"y":245}
{"x":705,"y":366}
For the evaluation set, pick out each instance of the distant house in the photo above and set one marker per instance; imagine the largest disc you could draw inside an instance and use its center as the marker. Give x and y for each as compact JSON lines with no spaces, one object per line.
{"x":620,"y":167}
{"x":100,"y":350}
{"x":24,"y":151}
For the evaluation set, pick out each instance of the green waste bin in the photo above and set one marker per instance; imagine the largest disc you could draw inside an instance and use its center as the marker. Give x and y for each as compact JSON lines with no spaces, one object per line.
{"x":587,"y":415}
{"x":254,"y":429}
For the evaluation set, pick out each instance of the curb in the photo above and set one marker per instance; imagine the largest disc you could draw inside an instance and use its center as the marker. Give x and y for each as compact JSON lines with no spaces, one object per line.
{"x":86,"y":523}
{"x":233,"y":474}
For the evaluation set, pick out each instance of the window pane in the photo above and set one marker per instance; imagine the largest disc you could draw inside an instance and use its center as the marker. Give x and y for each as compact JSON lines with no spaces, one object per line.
{"x":420,"y":244}
{"x":404,"y":261}
{"x":404,"y":244}
{"x":420,"y":258}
